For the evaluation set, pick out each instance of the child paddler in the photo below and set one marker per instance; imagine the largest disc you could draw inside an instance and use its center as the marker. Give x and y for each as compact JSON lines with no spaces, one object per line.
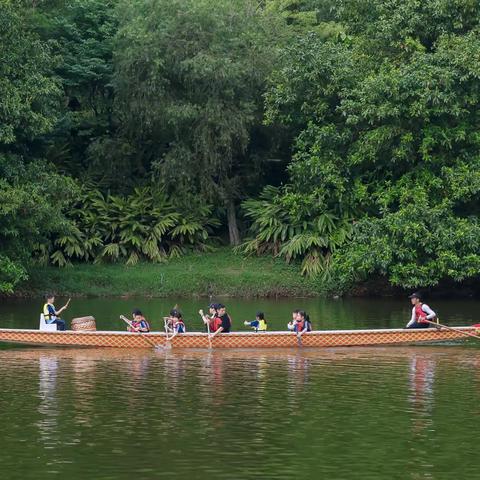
{"x":226,"y":320}
{"x":421,"y":312}
{"x":212,"y":321}
{"x":259,"y":324}
{"x":291,"y":323}
{"x":302,"y":323}
{"x":51,"y":314}
{"x":175,"y":322}
{"x":138,"y":323}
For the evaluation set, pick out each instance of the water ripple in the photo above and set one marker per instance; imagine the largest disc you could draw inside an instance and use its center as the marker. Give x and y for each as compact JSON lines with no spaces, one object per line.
{"x":336,"y":413}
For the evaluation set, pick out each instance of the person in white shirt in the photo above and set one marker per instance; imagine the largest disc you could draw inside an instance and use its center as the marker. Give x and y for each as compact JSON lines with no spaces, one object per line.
{"x":421,"y":312}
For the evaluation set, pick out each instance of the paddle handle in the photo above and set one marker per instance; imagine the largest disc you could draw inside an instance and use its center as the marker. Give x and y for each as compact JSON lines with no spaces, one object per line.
{"x":468,"y":334}
{"x":129,"y":323}
{"x":207,"y":323}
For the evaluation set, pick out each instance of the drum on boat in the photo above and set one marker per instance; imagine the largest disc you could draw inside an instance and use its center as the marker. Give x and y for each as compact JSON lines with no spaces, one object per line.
{"x":84,"y":324}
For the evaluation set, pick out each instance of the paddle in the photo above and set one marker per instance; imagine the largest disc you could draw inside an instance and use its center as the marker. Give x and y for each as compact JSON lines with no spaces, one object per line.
{"x":439,"y":325}
{"x":209,"y":337}
{"x":64,"y":307}
{"x":165,"y":324}
{"x":167,"y":340}
{"x":128,"y":322}
{"x":200,"y":312}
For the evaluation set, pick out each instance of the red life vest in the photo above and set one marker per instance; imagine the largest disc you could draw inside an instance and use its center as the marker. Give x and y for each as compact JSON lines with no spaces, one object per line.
{"x":138,"y":324}
{"x":215,"y":324}
{"x":420,"y":315}
{"x":299,"y":326}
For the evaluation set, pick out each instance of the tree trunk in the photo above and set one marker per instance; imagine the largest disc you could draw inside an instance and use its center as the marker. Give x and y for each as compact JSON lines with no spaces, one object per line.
{"x":233,"y":232}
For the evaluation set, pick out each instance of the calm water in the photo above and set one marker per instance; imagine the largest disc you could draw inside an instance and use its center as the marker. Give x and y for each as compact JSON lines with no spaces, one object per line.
{"x":355,"y":413}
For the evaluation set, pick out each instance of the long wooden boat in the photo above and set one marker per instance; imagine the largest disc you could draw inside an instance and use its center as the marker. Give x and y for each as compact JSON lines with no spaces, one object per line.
{"x":316,"y":339}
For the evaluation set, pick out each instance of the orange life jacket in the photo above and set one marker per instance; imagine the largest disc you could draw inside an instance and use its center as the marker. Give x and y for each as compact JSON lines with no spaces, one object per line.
{"x":299,"y":326}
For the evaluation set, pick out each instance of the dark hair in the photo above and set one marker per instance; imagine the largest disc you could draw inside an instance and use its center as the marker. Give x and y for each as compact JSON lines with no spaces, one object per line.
{"x":220,"y":305}
{"x":49,"y":295}
{"x":304,"y":314}
{"x":136,"y":311}
{"x":416,"y":295}
{"x":175,"y":313}
{"x":296,"y":310}
{"x":260,"y":315}
{"x":214,"y":306}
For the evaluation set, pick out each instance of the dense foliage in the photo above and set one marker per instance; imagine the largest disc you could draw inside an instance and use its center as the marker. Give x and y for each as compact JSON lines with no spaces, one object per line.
{"x":189,"y":89}
{"x":346,"y":131}
{"x":388,"y":135}
{"x":31,"y":193}
{"x":141,"y":226}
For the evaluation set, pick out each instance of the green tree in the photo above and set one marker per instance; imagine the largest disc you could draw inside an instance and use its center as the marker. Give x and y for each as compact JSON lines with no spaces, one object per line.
{"x":387,"y":115}
{"x":303,"y":16}
{"x":190,"y":76}
{"x":28,"y":94}
{"x":31,"y":194}
{"x":80,"y":36}
{"x":141,"y":226}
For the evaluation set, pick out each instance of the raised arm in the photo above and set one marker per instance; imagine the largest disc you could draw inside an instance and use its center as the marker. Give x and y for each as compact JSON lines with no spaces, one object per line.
{"x":58,"y":312}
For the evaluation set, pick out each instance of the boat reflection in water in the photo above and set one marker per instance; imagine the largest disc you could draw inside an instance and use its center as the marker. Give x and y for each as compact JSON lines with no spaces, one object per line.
{"x":48,"y":407}
{"x":421,"y":382}
{"x":91,"y":407}
{"x":422,"y":368}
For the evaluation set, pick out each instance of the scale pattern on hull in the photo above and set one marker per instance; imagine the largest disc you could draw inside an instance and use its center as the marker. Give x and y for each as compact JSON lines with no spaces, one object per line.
{"x":336,"y":338}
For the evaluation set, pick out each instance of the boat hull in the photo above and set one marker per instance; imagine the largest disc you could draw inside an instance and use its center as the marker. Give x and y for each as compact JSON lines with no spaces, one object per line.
{"x":315,"y":339}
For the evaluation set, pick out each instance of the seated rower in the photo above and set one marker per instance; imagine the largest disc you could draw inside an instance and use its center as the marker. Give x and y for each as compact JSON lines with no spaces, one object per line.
{"x":302,"y":323}
{"x":138,"y":324}
{"x":291,"y":323}
{"x":175,"y":322}
{"x":51,"y":314}
{"x":421,"y":312}
{"x":259,"y":324}
{"x":212,"y":321}
{"x":225,"y":319}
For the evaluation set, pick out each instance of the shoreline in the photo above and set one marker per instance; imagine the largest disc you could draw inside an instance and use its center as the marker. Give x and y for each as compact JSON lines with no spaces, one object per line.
{"x":221,"y":273}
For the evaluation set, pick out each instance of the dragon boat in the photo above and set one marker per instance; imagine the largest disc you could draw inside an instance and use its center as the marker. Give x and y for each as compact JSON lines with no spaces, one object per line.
{"x":237,"y":340}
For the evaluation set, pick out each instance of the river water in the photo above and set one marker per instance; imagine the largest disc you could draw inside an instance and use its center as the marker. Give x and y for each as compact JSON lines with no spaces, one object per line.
{"x":351,"y":413}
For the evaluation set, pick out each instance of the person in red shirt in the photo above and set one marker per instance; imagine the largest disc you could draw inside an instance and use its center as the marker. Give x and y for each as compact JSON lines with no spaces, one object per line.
{"x":421,"y":312}
{"x":212,"y":321}
{"x":226,"y":321}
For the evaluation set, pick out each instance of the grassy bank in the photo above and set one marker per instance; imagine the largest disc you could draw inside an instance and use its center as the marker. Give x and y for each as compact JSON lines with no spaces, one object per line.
{"x":221,"y":273}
